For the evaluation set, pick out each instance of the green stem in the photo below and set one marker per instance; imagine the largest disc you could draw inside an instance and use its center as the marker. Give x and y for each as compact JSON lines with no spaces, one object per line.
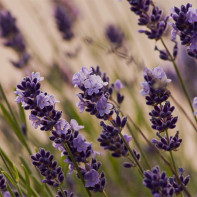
{"x":171,"y":154}
{"x":104,"y":194}
{"x":132,"y":154}
{"x":180,"y":78}
{"x":60,"y":187}
{"x":77,"y":167}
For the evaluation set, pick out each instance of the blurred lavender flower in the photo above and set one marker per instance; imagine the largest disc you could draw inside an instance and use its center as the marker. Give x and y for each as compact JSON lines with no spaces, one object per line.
{"x":115,"y":35}
{"x":67,"y":194}
{"x":44,"y":115}
{"x":184,"y":25}
{"x":65,"y":16}
{"x":13,"y":38}
{"x":3,"y":185}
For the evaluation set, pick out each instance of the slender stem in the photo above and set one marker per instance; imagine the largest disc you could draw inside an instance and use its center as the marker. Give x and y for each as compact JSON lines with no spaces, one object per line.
{"x":171,"y":154}
{"x":60,"y":187}
{"x":104,"y":194}
{"x":180,"y":78}
{"x":132,"y":154}
{"x":184,"y":112}
{"x":161,"y":156}
{"x":77,"y":167}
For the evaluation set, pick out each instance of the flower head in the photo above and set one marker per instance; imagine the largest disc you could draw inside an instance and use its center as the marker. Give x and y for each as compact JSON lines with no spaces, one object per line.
{"x":80,"y":143}
{"x":91,"y":178}
{"x":119,"y":85}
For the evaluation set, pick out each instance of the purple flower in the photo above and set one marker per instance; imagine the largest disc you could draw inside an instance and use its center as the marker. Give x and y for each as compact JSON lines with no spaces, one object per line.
{"x":119,"y":85}
{"x":42,"y":100}
{"x":20,"y":97}
{"x":158,"y":72}
{"x":62,"y":126}
{"x":37,"y":76}
{"x":145,"y":88}
{"x":195,"y":106}
{"x":81,"y":104}
{"x":128,"y":138}
{"x":75,"y":126}
{"x":81,"y":76}
{"x":35,"y":120}
{"x":80,"y":143}
{"x":103,"y":106}
{"x":93,"y":84}
{"x":92,"y":178}
{"x":192,"y":15}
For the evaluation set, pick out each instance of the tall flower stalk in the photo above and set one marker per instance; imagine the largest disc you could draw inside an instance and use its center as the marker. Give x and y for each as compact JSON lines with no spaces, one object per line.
{"x":65,"y":136}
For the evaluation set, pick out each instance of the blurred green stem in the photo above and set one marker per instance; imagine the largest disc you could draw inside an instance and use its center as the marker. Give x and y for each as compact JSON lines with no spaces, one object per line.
{"x":104,"y":194}
{"x":179,"y":77}
{"x":77,"y":167}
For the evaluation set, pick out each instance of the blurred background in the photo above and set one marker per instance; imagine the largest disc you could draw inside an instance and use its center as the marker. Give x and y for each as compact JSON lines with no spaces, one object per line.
{"x":58,"y":58}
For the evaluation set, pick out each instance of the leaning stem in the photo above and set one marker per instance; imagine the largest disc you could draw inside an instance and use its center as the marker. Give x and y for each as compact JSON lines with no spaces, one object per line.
{"x":179,"y":76}
{"x":60,"y":187}
{"x":132,"y":154}
{"x":77,"y":167}
{"x":171,"y":154}
{"x":104,"y":194}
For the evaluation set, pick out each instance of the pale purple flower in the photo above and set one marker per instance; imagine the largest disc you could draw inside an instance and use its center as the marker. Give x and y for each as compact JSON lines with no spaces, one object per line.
{"x":103,"y":106}
{"x":119,"y":85}
{"x":75,"y":126}
{"x":195,"y":106}
{"x":62,"y":126}
{"x":146,"y":71}
{"x":81,"y":103}
{"x":20,"y":97}
{"x":37,"y":76}
{"x":158,"y":72}
{"x":80,"y":143}
{"x":192,"y":15}
{"x":92,"y":178}
{"x":51,"y":100}
{"x":193,"y":42}
{"x":35,"y":120}
{"x":174,"y":31}
{"x":42,"y":100}
{"x":94,"y":83}
{"x":81,"y":76}
{"x":127,"y":138}
{"x":59,"y":147}
{"x":7,"y":194}
{"x":145,"y":88}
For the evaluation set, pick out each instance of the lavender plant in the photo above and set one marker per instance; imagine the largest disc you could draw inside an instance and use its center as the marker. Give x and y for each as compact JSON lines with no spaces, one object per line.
{"x":65,"y":136}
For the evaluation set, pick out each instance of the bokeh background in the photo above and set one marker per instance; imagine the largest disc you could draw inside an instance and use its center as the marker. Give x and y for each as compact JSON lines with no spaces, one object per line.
{"x":57,"y":60}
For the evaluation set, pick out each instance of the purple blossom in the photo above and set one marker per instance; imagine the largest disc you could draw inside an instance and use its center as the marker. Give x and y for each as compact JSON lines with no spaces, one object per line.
{"x":37,"y":76}
{"x":81,"y":76}
{"x":103,"y":106}
{"x":35,"y":121}
{"x":158,"y":72}
{"x":119,"y":85}
{"x":62,"y":126}
{"x":127,"y":138}
{"x":80,"y":143}
{"x":92,"y":178}
{"x":93,"y":84}
{"x":145,"y":88}
{"x":75,"y":126}
{"x":81,"y":104}
{"x":42,"y":100}
{"x":192,"y":15}
{"x":195,"y":106}
{"x":20,"y":97}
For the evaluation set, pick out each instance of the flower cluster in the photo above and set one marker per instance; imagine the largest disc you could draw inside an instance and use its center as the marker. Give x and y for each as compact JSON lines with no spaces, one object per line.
{"x":43,"y":160}
{"x":156,"y":94}
{"x":65,"y":136}
{"x":65,"y":16}
{"x":161,"y":185}
{"x":13,"y":38}
{"x":185,"y":25}
{"x":114,"y":35}
{"x":149,"y":16}
{"x":158,"y":183}
{"x":96,"y":98}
